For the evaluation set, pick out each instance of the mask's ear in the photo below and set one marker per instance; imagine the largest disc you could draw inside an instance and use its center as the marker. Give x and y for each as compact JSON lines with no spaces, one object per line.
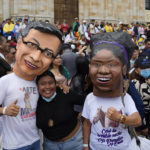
{"x":124,"y":70}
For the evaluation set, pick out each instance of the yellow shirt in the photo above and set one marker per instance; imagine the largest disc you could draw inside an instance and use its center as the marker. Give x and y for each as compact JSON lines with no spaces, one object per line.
{"x":108,"y":28}
{"x":140,"y":41}
{"x":8,"y":27}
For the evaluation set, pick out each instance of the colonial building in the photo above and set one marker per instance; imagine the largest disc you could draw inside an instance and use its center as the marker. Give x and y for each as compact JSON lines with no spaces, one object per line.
{"x":126,"y":11}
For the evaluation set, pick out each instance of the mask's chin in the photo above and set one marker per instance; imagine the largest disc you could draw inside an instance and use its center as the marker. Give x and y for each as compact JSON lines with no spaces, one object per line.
{"x":103,"y":90}
{"x":23,"y":75}
{"x":106,"y":92}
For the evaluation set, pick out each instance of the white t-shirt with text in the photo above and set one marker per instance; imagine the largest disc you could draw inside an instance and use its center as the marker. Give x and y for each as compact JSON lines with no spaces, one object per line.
{"x":21,"y":130}
{"x":107,"y":134}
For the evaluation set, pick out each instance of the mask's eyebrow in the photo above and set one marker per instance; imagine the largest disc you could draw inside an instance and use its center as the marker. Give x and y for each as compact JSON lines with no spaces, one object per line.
{"x":97,"y":60}
{"x":36,"y":41}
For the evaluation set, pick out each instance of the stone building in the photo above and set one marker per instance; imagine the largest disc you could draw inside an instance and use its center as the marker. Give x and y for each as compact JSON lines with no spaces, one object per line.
{"x":126,"y":11}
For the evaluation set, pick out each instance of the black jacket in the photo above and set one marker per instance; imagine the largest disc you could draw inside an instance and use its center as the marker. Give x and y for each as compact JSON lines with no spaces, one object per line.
{"x":4,"y":67}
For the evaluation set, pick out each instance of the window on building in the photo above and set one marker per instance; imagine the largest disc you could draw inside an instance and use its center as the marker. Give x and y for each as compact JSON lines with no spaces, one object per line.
{"x":147,"y":4}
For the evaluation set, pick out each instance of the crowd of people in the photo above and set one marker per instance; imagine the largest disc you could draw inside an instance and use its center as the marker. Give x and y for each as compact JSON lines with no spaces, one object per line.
{"x":84,"y":86}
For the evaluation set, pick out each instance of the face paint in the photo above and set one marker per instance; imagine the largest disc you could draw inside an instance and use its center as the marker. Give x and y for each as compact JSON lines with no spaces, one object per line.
{"x":145,"y":73}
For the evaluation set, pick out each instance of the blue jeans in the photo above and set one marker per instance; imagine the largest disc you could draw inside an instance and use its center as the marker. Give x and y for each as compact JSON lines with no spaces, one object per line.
{"x":34,"y":146}
{"x":75,"y":143}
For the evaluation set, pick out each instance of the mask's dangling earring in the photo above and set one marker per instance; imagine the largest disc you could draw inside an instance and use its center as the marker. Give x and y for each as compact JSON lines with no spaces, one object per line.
{"x":131,"y":130}
{"x":125,"y":87}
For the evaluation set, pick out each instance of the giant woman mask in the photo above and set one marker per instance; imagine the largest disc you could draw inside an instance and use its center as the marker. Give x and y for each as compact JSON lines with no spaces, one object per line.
{"x":36,"y":48}
{"x":110,"y":54}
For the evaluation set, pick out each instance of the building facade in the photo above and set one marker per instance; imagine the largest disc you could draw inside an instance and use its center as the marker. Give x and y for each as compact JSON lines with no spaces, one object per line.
{"x":126,"y":11}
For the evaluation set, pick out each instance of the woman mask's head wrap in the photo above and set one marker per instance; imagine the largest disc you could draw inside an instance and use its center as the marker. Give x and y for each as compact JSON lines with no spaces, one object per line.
{"x":119,"y":43}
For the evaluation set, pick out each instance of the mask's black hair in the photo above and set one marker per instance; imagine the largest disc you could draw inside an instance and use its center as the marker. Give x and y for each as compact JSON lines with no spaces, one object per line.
{"x":42,"y":27}
{"x":118,"y":37}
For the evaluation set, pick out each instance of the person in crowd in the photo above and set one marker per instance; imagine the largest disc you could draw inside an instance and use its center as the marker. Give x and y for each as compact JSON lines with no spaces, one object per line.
{"x":64,"y":26}
{"x":1,"y":29}
{"x":81,"y":51}
{"x":108,"y":27}
{"x":115,"y":27}
{"x":147,"y":32}
{"x":17,"y":29}
{"x":134,"y":57}
{"x":60,"y":72}
{"x":75,"y":26}
{"x":135,"y":74}
{"x":10,"y":55}
{"x":78,"y":81}
{"x":83,"y":27}
{"x":101,"y":26}
{"x":3,"y":46}
{"x":58,"y":25}
{"x":88,"y":35}
{"x":142,"y":86}
{"x":132,"y":91}
{"x":36,"y":48}
{"x":147,"y":44}
{"x":25,"y":23}
{"x":147,"y":103}
{"x":146,"y":49}
{"x":91,"y":24}
{"x":69,"y":38}
{"x":64,"y":29}
{"x":83,"y":40}
{"x":120,"y":27}
{"x":109,"y":108}
{"x":69,"y":59}
{"x":126,"y":29}
{"x":141,"y":29}
{"x":56,"y":116}
{"x":8,"y":29}
{"x":135,"y":29}
{"x":141,"y":41}
{"x":4,"y":66}
{"x":134,"y":39}
{"x":97,"y":27}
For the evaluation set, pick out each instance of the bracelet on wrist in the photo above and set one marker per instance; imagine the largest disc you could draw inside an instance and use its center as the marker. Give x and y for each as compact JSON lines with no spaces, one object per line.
{"x":4,"y":110}
{"x":85,"y":145}
{"x":122,"y":118}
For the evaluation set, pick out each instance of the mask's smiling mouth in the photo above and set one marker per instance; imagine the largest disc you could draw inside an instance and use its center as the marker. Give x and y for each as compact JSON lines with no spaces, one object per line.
{"x":104,"y":79}
{"x":30,"y":65}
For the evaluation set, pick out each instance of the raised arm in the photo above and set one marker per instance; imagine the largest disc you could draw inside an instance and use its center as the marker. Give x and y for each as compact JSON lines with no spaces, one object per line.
{"x":132,"y":120}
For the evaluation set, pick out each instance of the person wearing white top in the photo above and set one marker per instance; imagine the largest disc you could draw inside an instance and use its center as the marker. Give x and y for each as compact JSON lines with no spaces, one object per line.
{"x":36,"y":48}
{"x":108,"y":110}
